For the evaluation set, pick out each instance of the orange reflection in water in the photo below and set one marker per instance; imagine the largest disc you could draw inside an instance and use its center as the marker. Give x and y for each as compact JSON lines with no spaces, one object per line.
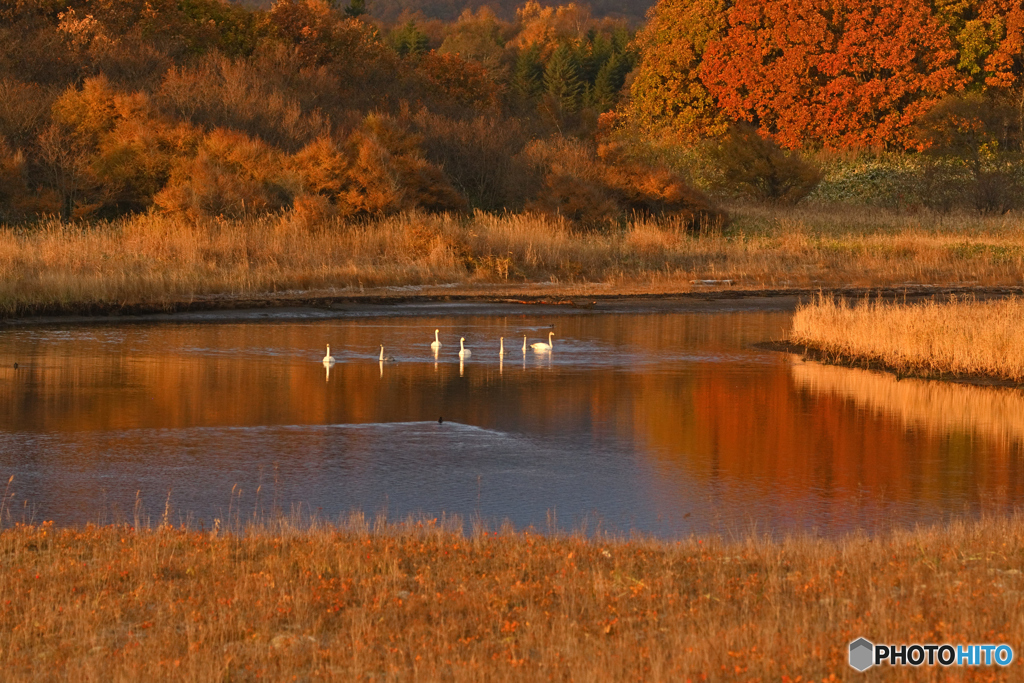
{"x":687,"y":392}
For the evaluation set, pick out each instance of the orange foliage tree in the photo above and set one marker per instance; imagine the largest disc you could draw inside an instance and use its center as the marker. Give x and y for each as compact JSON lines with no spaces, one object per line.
{"x":666,"y":87}
{"x":839,"y":73}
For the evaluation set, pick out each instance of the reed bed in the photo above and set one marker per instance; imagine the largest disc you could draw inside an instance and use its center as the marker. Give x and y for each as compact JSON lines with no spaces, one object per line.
{"x":960,"y":337}
{"x":161,"y":258}
{"x":423,"y":601}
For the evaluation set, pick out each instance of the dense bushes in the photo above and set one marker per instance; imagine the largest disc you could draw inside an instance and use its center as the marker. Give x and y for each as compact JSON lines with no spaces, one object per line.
{"x":751,"y":165}
{"x":589,"y":186}
{"x":211,"y":108}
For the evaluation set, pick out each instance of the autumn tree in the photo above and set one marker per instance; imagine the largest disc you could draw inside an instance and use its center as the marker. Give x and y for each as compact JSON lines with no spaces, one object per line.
{"x":479,"y":37}
{"x":839,"y":73}
{"x":667,"y":89}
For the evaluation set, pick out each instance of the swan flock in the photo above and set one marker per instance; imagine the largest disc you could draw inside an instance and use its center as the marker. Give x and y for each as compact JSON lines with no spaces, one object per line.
{"x":435,"y":346}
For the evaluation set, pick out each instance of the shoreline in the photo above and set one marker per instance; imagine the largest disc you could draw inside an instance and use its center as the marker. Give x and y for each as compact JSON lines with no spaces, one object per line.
{"x":595,"y":297}
{"x":870,"y":363}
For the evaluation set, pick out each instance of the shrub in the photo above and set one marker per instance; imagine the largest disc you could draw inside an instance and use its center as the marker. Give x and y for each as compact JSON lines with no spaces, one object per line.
{"x":478,"y":155}
{"x":592,"y":186}
{"x":221,"y":93}
{"x":757,"y":167}
{"x":231,"y":175}
{"x":967,"y":139}
{"x":378,"y":170}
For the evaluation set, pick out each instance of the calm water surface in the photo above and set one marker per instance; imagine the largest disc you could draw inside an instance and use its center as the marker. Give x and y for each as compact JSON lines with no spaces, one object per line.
{"x":666,"y":423}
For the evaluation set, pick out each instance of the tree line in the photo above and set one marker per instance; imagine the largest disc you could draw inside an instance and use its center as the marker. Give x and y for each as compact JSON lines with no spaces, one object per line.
{"x":112,"y":107}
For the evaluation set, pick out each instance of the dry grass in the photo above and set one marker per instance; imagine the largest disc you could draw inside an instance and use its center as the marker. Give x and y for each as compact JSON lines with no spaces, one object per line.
{"x":424,"y":602}
{"x":157,"y":258}
{"x":959,"y":337}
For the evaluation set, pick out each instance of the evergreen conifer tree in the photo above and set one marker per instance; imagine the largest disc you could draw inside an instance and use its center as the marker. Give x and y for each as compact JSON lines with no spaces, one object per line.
{"x":356,"y":8}
{"x":562,"y":81}
{"x":528,"y":76}
{"x":607,"y":83}
{"x":409,"y":40}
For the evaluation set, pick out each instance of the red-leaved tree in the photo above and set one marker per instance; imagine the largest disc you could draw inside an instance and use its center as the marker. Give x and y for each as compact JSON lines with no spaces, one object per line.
{"x":838,"y":73}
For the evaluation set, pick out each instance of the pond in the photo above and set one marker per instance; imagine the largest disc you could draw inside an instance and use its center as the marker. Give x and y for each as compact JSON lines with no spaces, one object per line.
{"x":666,"y":422}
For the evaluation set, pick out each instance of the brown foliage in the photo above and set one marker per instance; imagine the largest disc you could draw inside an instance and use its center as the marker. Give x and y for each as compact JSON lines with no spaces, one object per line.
{"x":458,"y":81}
{"x":479,"y":156}
{"x":231,"y":175}
{"x":757,"y":167}
{"x":24,"y":109}
{"x":591,"y":186}
{"x":220,"y":92}
{"x":378,"y":170}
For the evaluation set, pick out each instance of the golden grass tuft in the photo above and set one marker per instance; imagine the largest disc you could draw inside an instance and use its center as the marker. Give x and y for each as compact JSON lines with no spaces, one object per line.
{"x":359,"y":601}
{"x":961,"y":337}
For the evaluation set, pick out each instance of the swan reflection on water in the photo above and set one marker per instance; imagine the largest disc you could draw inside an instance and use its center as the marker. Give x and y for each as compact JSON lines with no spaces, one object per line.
{"x":328,"y":361}
{"x":541,"y":348}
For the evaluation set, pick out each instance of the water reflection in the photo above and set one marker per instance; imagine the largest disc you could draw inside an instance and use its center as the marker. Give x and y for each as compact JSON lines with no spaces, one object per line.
{"x":668,"y":423}
{"x":934,"y":408}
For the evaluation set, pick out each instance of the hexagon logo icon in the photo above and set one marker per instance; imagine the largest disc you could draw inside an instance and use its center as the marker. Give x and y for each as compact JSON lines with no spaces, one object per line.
{"x":862,"y":654}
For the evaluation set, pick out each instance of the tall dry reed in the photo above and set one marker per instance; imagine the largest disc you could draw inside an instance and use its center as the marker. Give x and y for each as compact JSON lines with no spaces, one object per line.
{"x":961,"y":337}
{"x":158,"y":258}
{"x":424,"y":602}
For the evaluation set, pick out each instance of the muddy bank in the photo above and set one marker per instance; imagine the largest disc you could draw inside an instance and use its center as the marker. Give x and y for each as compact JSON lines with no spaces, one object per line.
{"x":416,"y":301}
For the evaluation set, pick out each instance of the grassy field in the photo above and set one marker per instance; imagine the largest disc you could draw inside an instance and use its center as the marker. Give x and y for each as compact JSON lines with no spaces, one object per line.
{"x":422,"y":601}
{"x":156,"y":258}
{"x":960,"y":338}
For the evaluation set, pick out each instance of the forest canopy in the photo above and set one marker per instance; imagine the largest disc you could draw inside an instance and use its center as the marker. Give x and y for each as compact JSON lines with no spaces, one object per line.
{"x":210,"y":108}
{"x":837,"y":74}
{"x":321,"y":107}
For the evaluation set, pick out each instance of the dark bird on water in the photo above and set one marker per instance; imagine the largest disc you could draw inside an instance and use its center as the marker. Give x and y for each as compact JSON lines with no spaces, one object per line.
{"x":440,"y":420}
{"x":15,"y":366}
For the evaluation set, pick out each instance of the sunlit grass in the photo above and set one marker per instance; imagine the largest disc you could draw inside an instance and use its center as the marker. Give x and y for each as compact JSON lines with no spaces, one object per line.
{"x":958,"y":337}
{"x":356,"y":601}
{"x":159,"y":258}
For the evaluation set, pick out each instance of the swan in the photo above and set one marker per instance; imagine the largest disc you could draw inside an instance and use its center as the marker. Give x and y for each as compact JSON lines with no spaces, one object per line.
{"x":501,"y":352}
{"x":384,"y":358}
{"x":541,"y":347}
{"x":436,"y":344}
{"x":328,"y":359}
{"x":463,"y":351}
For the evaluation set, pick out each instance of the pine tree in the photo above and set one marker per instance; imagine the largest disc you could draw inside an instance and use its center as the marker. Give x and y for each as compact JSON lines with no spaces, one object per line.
{"x":409,"y":40}
{"x":528,"y":76}
{"x":608,"y":82}
{"x":562,"y":81}
{"x":356,"y":8}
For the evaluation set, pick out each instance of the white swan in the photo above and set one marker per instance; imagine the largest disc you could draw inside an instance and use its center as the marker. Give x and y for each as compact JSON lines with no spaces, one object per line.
{"x":436,"y":344}
{"x":384,"y":358}
{"x":501,"y":352}
{"x":541,"y":347}
{"x":463,"y":351}
{"x":328,"y":359}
